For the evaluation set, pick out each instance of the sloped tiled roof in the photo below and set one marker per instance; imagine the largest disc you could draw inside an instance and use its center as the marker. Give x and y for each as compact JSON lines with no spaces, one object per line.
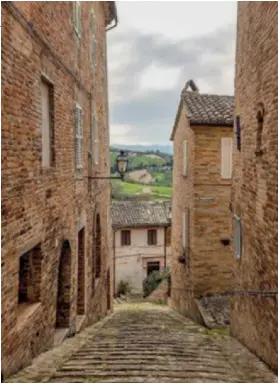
{"x":204,"y":109}
{"x":208,"y":109}
{"x":132,"y":214}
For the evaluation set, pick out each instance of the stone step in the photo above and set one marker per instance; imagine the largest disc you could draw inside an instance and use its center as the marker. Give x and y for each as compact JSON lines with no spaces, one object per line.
{"x":135,"y":380}
{"x":144,"y":354}
{"x":210,"y":362}
{"x":193,"y":374}
{"x":173,"y":367}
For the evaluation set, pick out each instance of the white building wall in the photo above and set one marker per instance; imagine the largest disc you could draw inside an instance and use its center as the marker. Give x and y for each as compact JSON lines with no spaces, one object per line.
{"x":131,"y":261}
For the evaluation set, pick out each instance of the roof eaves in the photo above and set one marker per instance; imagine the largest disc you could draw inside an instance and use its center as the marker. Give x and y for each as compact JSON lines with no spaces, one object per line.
{"x":216,"y":124}
{"x":121,"y":226}
{"x":172,"y":137}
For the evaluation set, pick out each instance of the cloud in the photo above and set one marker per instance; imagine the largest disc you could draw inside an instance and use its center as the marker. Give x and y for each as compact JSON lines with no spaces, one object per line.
{"x":147,"y":72}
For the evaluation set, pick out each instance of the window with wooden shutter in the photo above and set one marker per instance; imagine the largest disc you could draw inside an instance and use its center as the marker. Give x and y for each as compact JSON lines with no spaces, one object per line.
{"x":226,"y":157}
{"x":95,"y":138}
{"x":78,"y":137}
{"x":47,"y":108}
{"x":185,"y":158}
{"x":152,"y":237}
{"x":77,"y":17}
{"x":93,"y":40}
{"x":125,"y":238}
{"x":185,"y":229}
{"x":237,"y":237}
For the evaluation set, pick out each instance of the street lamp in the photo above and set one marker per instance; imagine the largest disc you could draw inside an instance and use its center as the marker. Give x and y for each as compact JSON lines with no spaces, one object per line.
{"x":122,"y":162}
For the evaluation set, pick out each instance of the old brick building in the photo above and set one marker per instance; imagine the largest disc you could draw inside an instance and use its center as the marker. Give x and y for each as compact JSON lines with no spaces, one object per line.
{"x":254,"y":318}
{"x":56,"y":230}
{"x":202,"y":136}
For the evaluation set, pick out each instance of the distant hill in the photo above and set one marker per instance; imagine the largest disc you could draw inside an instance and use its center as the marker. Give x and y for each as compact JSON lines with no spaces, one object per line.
{"x":145,"y":148}
{"x":151,"y":161}
{"x":151,"y":167}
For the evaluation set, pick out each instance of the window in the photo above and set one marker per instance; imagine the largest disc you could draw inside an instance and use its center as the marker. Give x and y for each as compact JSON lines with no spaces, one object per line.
{"x":125,"y":238}
{"x":30,"y":276}
{"x":168,"y":236}
{"x":47,"y":105}
{"x":77,"y":17}
{"x":185,"y":229}
{"x":152,"y":266}
{"x":237,"y":237}
{"x":185,"y":158}
{"x":78,"y":137}
{"x":95,"y":139}
{"x":226,"y":157}
{"x":93,"y":41}
{"x":152,"y":237}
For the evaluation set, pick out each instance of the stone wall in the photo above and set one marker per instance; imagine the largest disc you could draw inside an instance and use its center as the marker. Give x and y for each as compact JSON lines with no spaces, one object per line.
{"x":209,"y":264}
{"x":48,"y":207}
{"x":160,"y":294}
{"x":255,"y":184}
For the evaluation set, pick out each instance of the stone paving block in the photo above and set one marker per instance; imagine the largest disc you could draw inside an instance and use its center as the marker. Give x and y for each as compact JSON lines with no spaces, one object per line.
{"x":147,"y":343}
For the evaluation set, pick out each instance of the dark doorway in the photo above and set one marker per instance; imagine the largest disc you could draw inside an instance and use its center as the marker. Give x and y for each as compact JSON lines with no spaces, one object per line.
{"x":152,"y":266}
{"x":63,"y":294}
{"x":81,"y":273}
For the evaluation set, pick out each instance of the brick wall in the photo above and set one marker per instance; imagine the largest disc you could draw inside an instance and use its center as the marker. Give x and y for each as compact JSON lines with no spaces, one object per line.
{"x":50,"y":206}
{"x":209,"y":264}
{"x":255,"y":184}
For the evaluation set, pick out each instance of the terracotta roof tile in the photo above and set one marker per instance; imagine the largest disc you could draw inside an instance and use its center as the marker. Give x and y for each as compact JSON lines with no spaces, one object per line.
{"x":126,"y":214}
{"x":208,"y":109}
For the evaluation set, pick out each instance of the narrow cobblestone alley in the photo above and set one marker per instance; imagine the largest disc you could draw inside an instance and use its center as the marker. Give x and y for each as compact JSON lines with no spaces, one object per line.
{"x":147,"y":343}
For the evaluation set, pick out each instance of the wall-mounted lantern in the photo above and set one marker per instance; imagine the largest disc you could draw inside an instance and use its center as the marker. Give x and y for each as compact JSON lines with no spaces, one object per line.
{"x":122,"y":163}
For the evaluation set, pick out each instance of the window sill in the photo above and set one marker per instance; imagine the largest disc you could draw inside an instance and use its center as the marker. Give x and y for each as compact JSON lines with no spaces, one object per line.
{"x":25,"y":312}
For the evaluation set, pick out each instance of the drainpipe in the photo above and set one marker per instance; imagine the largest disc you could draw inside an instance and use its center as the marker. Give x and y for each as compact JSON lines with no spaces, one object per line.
{"x":114,"y":263}
{"x":165,"y":247}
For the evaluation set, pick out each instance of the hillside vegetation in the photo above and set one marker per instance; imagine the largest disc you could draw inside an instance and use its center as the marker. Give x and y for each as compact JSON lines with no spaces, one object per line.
{"x":156,"y":183}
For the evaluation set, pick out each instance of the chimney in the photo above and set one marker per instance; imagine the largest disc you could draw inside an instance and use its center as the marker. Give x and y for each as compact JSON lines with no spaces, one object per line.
{"x":190,"y":86}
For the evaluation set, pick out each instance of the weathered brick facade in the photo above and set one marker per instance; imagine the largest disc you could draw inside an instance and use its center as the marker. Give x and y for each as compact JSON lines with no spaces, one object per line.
{"x":255,"y":182}
{"x":52,"y":210}
{"x":203,"y":195}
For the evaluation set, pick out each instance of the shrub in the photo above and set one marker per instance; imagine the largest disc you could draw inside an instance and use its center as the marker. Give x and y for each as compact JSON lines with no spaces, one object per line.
{"x":153,"y":280}
{"x":123,"y":288}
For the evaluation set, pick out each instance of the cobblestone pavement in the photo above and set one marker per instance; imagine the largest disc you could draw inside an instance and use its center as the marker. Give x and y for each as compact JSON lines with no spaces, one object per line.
{"x":145,"y":343}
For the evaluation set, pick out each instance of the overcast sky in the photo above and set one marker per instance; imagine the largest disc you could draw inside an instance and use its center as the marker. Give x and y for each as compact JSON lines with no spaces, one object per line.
{"x":155,"y":49}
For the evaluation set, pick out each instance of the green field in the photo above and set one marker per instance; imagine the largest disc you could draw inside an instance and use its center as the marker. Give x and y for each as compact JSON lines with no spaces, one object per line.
{"x":158,"y":192}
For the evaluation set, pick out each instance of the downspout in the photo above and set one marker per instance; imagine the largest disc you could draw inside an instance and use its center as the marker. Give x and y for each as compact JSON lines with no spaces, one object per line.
{"x":165,"y":247}
{"x":114,"y":263}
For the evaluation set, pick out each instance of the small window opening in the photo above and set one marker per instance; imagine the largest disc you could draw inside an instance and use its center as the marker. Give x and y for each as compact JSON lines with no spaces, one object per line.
{"x":30,"y":276}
